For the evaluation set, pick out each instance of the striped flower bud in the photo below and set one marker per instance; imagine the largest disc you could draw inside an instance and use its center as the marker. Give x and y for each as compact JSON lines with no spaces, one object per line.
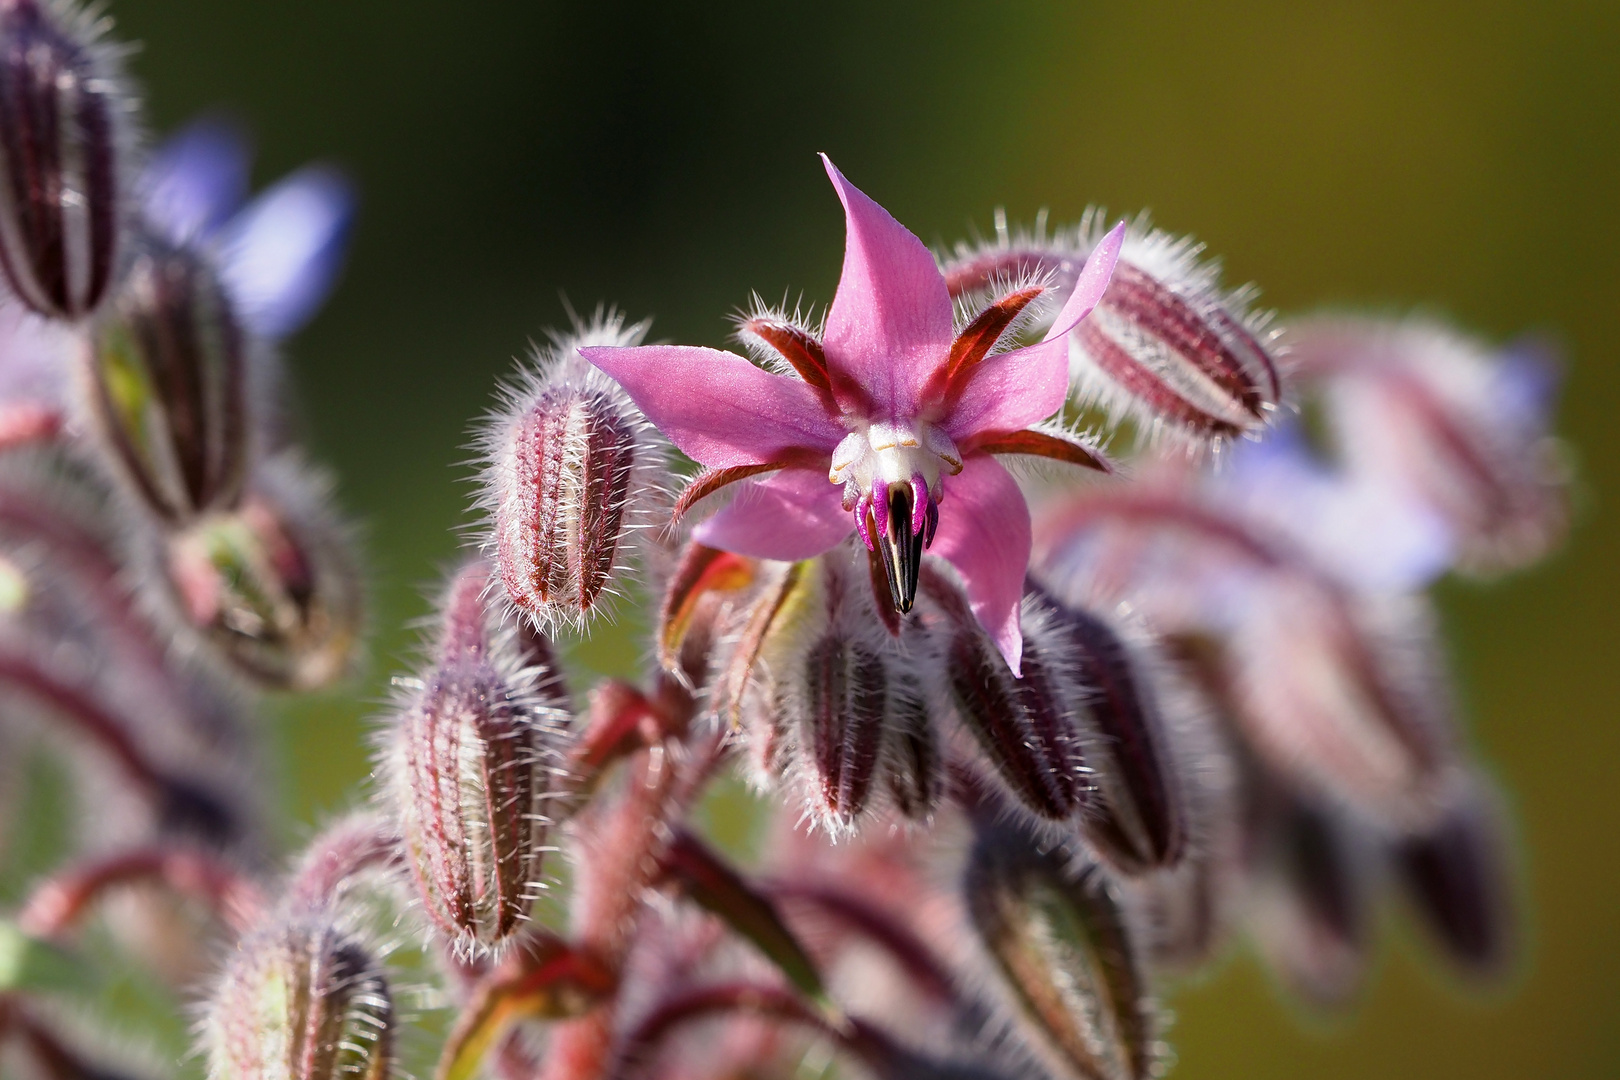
{"x":836,"y":701}
{"x":1059,"y":938}
{"x":573,"y":471}
{"x":272,"y":584}
{"x":1028,"y":726}
{"x":300,"y":1000}
{"x":61,"y":157}
{"x":167,"y":369}
{"x":1166,"y":345}
{"x":470,"y":769}
{"x":1136,"y":819}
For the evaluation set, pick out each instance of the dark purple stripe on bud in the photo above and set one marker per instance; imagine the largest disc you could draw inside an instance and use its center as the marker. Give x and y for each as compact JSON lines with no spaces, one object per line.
{"x":1137,"y":821}
{"x":167,"y":362}
{"x":471,"y":780}
{"x":1023,"y":725}
{"x":1181,"y":358}
{"x":914,"y":767}
{"x":59,"y":162}
{"x":561,"y":517}
{"x":846,"y":700}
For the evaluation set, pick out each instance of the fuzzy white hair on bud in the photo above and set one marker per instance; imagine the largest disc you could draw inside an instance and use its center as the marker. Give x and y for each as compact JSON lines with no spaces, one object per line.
{"x":574,"y":481}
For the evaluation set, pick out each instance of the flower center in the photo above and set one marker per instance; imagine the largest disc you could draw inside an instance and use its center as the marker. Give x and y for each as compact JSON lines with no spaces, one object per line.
{"x":891,"y":478}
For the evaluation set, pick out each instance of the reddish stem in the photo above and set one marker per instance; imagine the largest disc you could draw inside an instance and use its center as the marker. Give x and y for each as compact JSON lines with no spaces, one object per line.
{"x":56,"y":907}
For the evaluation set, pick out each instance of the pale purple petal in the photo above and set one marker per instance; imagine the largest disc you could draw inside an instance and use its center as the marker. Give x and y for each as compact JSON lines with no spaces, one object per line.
{"x":1012,"y":390}
{"x":717,"y":407}
{"x":984,"y":532}
{"x":282,"y":255}
{"x":196,"y":180}
{"x":890,"y":323}
{"x":791,"y":515}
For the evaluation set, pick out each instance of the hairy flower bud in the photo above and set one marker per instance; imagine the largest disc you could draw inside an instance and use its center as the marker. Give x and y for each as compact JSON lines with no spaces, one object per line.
{"x":1166,"y":345}
{"x":470,"y":769}
{"x":167,"y":368}
{"x":61,"y":157}
{"x":300,"y":1000}
{"x":836,"y":699}
{"x":1137,"y":818}
{"x":572,"y":473}
{"x":272,"y":584}
{"x":1027,"y":727}
{"x":1061,"y":941}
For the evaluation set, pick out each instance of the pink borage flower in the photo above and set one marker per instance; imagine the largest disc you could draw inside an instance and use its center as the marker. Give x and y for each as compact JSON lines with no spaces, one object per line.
{"x":894,"y":416}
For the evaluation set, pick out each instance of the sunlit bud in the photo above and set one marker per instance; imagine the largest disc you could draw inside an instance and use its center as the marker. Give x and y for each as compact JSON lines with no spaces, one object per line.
{"x":470,"y":768}
{"x":62,"y":156}
{"x":1458,"y":878}
{"x":300,"y":1000}
{"x":1448,"y":421}
{"x":1027,"y":727}
{"x":1166,"y":346}
{"x":273,"y":583}
{"x":834,"y":698}
{"x":1310,"y":910}
{"x":573,"y":471}
{"x":167,"y":372}
{"x":1059,"y":938}
{"x":1136,"y":819}
{"x":1345,"y":697}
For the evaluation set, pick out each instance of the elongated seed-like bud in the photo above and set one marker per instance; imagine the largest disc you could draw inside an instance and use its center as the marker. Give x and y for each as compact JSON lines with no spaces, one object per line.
{"x":1137,"y":818}
{"x":61,"y":157}
{"x":573,"y":472}
{"x":1458,"y":878}
{"x":1166,"y":345}
{"x":831,"y":694}
{"x":1060,"y":940}
{"x":272,"y":584}
{"x":1026,"y":727}
{"x":300,"y":1000}
{"x":471,"y":765}
{"x":167,"y":373}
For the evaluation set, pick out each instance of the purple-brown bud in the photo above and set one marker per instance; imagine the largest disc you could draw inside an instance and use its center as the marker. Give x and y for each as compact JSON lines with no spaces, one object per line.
{"x":167,"y":372}
{"x":272,"y":584}
{"x":1027,"y":727}
{"x":1137,"y":816}
{"x":1168,"y":345}
{"x":1060,"y":939}
{"x":300,"y":1000}
{"x":61,"y":157}
{"x":471,"y":767}
{"x":834,"y":698}
{"x":573,"y":473}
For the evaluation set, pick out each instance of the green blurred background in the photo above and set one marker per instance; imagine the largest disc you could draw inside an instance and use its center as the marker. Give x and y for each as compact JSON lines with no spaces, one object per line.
{"x":660,"y":156}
